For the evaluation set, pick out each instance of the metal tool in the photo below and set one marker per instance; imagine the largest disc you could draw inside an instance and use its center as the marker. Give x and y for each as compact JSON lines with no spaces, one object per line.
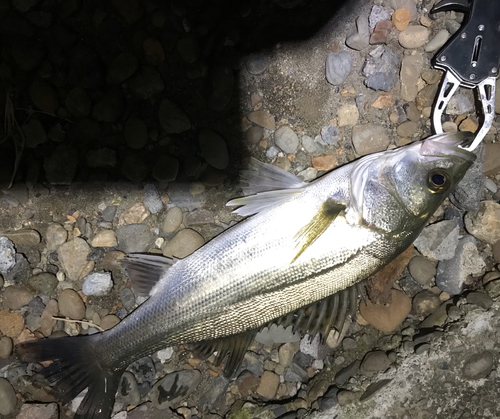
{"x":470,"y":59}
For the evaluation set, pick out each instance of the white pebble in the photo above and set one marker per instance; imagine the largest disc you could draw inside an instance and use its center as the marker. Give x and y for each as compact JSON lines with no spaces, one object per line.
{"x":490,"y":185}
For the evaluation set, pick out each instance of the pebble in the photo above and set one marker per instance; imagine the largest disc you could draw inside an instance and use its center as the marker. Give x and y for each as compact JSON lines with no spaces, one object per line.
{"x":174,"y":387}
{"x":433,"y":77}
{"x":348,"y":115}
{"x":327,"y":162}
{"x":47,"y":321}
{"x":39,"y":411}
{"x":121,"y":68}
{"x":199,"y":217}
{"x":272,"y":152}
{"x":135,"y":133}
{"x":386,"y":318}
{"x":172,"y":118}
{"x":384,"y":100}
{"x":263,"y":119}
{"x":377,"y":14}
{"x":71,"y":305}
{"x":493,"y":289}
{"x":318,"y":389}
{"x":374,"y":362}
{"x":401,"y":19}
{"x":381,"y":69}
{"x":346,"y":397}
{"x":422,"y":349}
{"x":414,"y":37}
{"x":359,"y":38}
{"x":173,"y":220}
{"x":422,"y":270}
{"x":437,"y":41}
{"x":438,"y":241}
{"x":338,"y":67}
{"x":452,"y":273}
{"x":286,"y":139}
{"x":425,"y":303}
{"x":254,"y":134}
{"x":73,"y":258}
{"x":458,"y":105}
{"x":485,"y":223}
{"x":480,"y":299}
{"x":166,"y":169}
{"x":24,"y":237}
{"x":425,"y":98}
{"x":135,"y":238}
{"x":380,"y":34}
{"x":407,"y":129}
{"x":11,"y":324}
{"x":438,"y":318}
{"x":7,"y":255}
{"x":346,"y":373}
{"x":109,"y":321}
{"x":135,"y":214}
{"x":452,"y":25}
{"x":104,"y":238}
{"x":6,"y":346}
{"x":256,"y":64}
{"x":268,"y":385}
{"x":97,"y":284}
{"x":411,"y":67}
{"x":449,"y":126}
{"x":214,"y":149}
{"x":490,"y":185}
{"x":330,"y":134}
{"x":369,"y":138}
{"x":8,"y":399}
{"x":17,"y":296}
{"x":426,"y":21}
{"x":183,"y":244}
{"x":478,"y":366}
{"x":44,"y":96}
{"x":308,"y":174}
{"x":146,"y":84}
{"x":492,"y":159}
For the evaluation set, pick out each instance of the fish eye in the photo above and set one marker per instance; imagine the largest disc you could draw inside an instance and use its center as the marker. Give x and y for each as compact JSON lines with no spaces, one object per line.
{"x":438,"y":181}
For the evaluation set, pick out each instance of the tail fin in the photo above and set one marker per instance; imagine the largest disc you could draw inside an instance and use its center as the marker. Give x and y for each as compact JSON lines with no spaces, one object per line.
{"x":74,"y":369}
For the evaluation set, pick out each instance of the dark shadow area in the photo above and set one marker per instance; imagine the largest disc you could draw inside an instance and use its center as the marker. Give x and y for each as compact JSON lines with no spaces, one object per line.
{"x":120,"y":90}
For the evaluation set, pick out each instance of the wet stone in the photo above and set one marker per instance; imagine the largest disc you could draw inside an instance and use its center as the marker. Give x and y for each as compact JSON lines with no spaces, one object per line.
{"x":373,"y":362}
{"x":174,"y":387}
{"x":338,"y":67}
{"x":144,"y":369}
{"x":478,"y":365}
{"x":8,"y":399}
{"x":134,"y":238}
{"x":97,"y":284}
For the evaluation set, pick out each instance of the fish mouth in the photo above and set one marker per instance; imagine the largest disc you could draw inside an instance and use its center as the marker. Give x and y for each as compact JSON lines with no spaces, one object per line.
{"x":447,"y":145}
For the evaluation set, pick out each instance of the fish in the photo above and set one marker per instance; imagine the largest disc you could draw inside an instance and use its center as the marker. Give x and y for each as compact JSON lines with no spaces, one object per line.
{"x":297,"y":258}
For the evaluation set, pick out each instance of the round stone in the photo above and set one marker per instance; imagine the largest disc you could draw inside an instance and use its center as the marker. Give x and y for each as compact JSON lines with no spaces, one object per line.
{"x":425,"y":302}
{"x":172,"y":118}
{"x":98,"y":284}
{"x":414,"y":37}
{"x":11,"y":324}
{"x":401,"y":19}
{"x":213,"y":149}
{"x":109,"y":321}
{"x":422,"y":270}
{"x":17,"y":296}
{"x":183,"y":244}
{"x":478,"y":365}
{"x":286,"y":139}
{"x":8,"y":399}
{"x":173,"y":220}
{"x":71,"y":305}
{"x":55,"y":236}
{"x":6,"y":346}
{"x":338,"y":67}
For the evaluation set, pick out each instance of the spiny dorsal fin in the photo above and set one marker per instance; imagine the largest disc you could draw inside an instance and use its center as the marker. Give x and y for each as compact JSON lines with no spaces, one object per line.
{"x":145,"y":271}
{"x":233,"y":346}
{"x":323,"y":218}
{"x":268,"y":186}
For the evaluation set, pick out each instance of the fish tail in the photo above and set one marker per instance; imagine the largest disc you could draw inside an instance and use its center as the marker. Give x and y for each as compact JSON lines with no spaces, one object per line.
{"x":76,"y":367}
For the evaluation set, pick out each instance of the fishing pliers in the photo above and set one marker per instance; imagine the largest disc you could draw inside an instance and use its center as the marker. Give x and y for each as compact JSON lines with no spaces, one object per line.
{"x":470,"y":59}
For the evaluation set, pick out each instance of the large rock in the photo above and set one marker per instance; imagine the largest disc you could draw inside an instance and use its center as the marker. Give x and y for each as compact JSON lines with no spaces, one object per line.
{"x":438,"y":241}
{"x":369,"y":138}
{"x":485,"y":223}
{"x":73,"y":258}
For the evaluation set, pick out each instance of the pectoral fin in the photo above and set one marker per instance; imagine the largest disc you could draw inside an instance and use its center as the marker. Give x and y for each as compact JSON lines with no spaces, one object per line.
{"x":308,"y":234}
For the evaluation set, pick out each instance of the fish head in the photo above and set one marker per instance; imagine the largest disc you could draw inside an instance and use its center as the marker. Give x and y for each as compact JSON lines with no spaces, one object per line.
{"x":398,"y":190}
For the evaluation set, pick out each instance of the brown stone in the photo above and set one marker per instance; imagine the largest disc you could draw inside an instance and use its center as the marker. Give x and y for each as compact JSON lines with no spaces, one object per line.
{"x":468,"y":125}
{"x":387,"y":317}
{"x":268,"y":385}
{"x":136,"y":214}
{"x":326,"y":162}
{"x":379,"y":285}
{"x":381,"y":32}
{"x":384,"y":100}
{"x":492,"y":159}
{"x":11,"y":324}
{"x":401,"y":19}
{"x":263,"y":119}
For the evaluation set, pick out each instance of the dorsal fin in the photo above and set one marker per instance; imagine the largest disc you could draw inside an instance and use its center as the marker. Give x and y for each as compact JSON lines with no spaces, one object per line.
{"x":145,"y":271}
{"x":268,"y":186}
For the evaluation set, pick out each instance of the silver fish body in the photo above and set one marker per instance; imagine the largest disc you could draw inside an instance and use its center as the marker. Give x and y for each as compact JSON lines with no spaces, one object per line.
{"x":303,"y":243}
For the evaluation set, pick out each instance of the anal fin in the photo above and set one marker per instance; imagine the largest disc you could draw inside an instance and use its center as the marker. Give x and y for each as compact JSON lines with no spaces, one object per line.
{"x":233,"y":346}
{"x":145,"y":271}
